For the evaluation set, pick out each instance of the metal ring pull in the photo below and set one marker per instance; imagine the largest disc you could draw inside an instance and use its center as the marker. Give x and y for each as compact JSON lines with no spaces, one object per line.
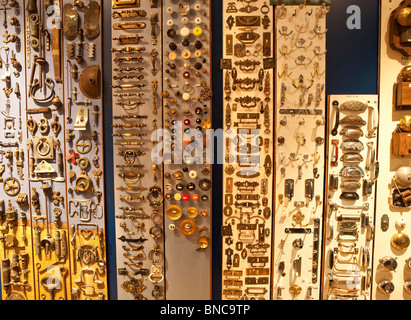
{"x":155,"y":192}
{"x":156,"y":251}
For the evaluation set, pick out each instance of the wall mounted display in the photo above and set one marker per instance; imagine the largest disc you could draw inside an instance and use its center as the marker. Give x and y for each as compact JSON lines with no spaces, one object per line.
{"x":352,"y":175}
{"x":314,"y":201}
{"x":162,"y":79}
{"x":83,"y":74}
{"x":299,"y":150}
{"x":137,"y":88}
{"x":248,"y":68}
{"x":391,"y":267}
{"x":187,"y":107}
{"x":59,"y":250}
{"x":17,"y":265}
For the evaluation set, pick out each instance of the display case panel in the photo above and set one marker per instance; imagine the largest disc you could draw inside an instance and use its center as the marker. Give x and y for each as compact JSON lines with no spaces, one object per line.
{"x":352,"y":175}
{"x":300,"y":138}
{"x":391,"y":271}
{"x":137,"y":114}
{"x":248,"y":67}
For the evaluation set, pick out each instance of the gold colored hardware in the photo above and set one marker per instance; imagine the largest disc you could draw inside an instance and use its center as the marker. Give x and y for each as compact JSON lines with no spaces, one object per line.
{"x":129,"y":25}
{"x":295,"y":290}
{"x":188,"y":227}
{"x":130,"y":175}
{"x":83,"y":145}
{"x":400,"y":241}
{"x":174,"y":212}
{"x":125,"y":3}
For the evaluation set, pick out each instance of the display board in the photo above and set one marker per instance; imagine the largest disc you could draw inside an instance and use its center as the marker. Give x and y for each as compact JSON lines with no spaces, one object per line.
{"x":188,"y":156}
{"x":83,"y":76}
{"x":17,"y":267}
{"x":299,"y":163}
{"x":137,"y":113}
{"x":352,"y":174}
{"x":51,"y":131}
{"x":391,"y":269}
{"x":162,"y":79}
{"x":248,"y":67}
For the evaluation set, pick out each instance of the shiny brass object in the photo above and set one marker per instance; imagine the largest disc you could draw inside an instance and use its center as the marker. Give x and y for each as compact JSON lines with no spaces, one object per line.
{"x":82,"y":116}
{"x":43,"y":148}
{"x":31,"y":6}
{"x":405,"y":74}
{"x":129,"y":14}
{"x":90,"y":82}
{"x":129,"y":176}
{"x":56,"y":51}
{"x":11,"y":186}
{"x":83,"y":183}
{"x":400,"y":241}
{"x":92,"y":20}
{"x":178,"y":175}
{"x":405,"y":122}
{"x":203,"y":242}
{"x":83,"y":145}
{"x":71,"y":22}
{"x":83,"y":163}
{"x":295,"y":290}
{"x":206,"y":124}
{"x":128,"y":39}
{"x":129,"y":25}
{"x":125,"y":3}
{"x":404,"y":17}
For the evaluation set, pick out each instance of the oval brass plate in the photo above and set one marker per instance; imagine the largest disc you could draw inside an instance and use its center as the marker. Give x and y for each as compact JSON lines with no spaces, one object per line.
{"x":71,"y":24}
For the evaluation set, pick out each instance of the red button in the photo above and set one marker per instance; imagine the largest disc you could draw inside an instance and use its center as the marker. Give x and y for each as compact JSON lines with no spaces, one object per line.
{"x":186,"y":197}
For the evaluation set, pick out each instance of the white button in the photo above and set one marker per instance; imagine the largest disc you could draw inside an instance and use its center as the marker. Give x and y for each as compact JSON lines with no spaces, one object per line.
{"x":185,"y":32}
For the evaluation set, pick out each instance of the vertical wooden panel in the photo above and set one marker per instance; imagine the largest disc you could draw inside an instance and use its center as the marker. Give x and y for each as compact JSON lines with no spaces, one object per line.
{"x":16,"y":245}
{"x":350,"y":196}
{"x":187,"y":113}
{"x":248,"y":51}
{"x":300,"y":150}
{"x":137,"y":112}
{"x":391,"y":64}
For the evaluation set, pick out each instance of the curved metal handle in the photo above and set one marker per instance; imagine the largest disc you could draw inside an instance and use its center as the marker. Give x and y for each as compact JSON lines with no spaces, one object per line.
{"x":334,"y":162}
{"x":375,"y":121}
{"x":336,"y":105}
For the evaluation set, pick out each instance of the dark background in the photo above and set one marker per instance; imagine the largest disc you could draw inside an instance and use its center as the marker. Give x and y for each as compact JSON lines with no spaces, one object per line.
{"x":352,"y":68}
